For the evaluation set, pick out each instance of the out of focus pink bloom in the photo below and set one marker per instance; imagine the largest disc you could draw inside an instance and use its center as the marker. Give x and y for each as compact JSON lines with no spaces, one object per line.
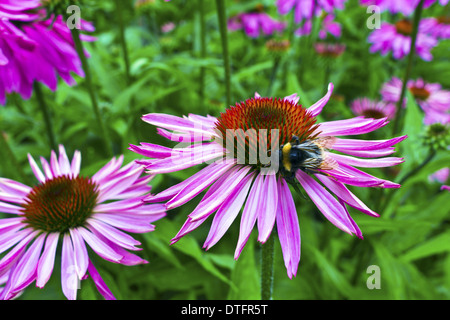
{"x":396,"y":38}
{"x":255,"y":22}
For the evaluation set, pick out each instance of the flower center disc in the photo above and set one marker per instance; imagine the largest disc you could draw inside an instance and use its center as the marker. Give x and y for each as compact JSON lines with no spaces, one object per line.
{"x":404,"y":27}
{"x":443,"y":19}
{"x":60,"y":204}
{"x":375,"y":114}
{"x":263,"y":123}
{"x":419,"y":93}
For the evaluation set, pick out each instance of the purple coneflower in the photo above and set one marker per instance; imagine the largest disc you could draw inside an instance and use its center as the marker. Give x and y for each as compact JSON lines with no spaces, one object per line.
{"x":436,"y":27}
{"x":327,"y":26}
{"x":237,"y":178}
{"x":406,"y":7}
{"x":396,"y":38}
{"x":71,"y":209}
{"x":328,"y":49}
{"x":255,"y":22}
{"x":433,"y":100}
{"x":373,"y":109}
{"x":32,"y":49}
{"x":306,"y":9}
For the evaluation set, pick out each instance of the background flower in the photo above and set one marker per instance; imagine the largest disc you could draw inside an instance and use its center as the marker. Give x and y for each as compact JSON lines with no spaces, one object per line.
{"x":75,"y":210}
{"x":397,"y":39}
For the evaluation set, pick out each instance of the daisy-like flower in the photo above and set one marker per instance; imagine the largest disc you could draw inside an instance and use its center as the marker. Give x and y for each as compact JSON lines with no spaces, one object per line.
{"x":436,"y":27}
{"x":68,"y":208}
{"x":328,"y":49}
{"x":396,"y":38}
{"x":440,"y":176}
{"x":327,"y":26}
{"x":306,"y":9}
{"x":32,"y":49}
{"x":434,"y":101}
{"x":373,"y":109}
{"x":255,"y":22}
{"x":406,"y":7}
{"x":253,"y":151}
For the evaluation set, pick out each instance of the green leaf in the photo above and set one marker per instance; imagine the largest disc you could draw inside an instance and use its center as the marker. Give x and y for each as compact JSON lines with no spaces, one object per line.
{"x":245,"y":275}
{"x":435,"y":245}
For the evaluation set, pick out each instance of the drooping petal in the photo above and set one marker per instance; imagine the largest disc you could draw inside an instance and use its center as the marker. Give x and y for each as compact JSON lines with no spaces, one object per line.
{"x":47,"y":260}
{"x":213,"y":201}
{"x":81,"y":257}
{"x":325,"y":202}
{"x":99,"y":283}
{"x":69,"y":277}
{"x":250,"y":213}
{"x":342,"y":192}
{"x":228,"y":211}
{"x":267,"y":216}
{"x":288,"y":228}
{"x":198,"y":185}
{"x":99,"y":246}
{"x":25,"y":271}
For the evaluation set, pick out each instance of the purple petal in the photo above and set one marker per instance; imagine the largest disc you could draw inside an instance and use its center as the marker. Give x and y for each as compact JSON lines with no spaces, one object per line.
{"x":341,"y":191}
{"x":69,"y":278}
{"x":213,"y":201}
{"x":267,"y":216}
{"x":288,"y":228}
{"x":366,"y":163}
{"x":81,"y":257}
{"x":99,"y":283}
{"x":250,"y":213}
{"x":228,"y":211}
{"x":99,"y":246}
{"x":325,"y":202}
{"x":317,"y":107}
{"x":25,"y":270}
{"x":47,"y":260}
{"x":198,"y":185}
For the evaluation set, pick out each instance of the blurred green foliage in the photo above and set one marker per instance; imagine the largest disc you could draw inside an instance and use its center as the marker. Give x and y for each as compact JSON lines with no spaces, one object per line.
{"x":410,"y":241}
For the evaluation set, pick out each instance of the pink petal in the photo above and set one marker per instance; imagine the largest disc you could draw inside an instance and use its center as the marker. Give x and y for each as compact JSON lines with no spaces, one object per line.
{"x":47,"y":260}
{"x":267,"y":216}
{"x":99,"y":283}
{"x":325,"y":202}
{"x":288,"y":228}
{"x":317,"y":107}
{"x":250,"y":213}
{"x":228,"y":211}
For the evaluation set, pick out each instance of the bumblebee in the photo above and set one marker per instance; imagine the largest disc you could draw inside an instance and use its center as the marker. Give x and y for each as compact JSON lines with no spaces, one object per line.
{"x":308,"y":156}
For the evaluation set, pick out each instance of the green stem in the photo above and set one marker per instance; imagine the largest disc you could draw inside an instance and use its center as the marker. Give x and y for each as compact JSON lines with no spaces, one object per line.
{"x":46,"y":113}
{"x":222,"y":16}
{"x":267,"y":268}
{"x":412,"y":51}
{"x":6,"y":150}
{"x":90,"y":86}
{"x":123,"y":42}
{"x":202,"y":54}
{"x":430,"y":157}
{"x":273,"y":76}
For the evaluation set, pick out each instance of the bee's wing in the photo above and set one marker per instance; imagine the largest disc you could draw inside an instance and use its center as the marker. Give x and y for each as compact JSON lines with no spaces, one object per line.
{"x":312,"y":163}
{"x":308,"y":146}
{"x":325,"y":142}
{"x":328,"y":163}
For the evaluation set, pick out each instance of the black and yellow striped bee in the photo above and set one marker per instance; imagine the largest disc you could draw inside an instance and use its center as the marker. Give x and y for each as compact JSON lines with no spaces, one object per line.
{"x":307,"y":156}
